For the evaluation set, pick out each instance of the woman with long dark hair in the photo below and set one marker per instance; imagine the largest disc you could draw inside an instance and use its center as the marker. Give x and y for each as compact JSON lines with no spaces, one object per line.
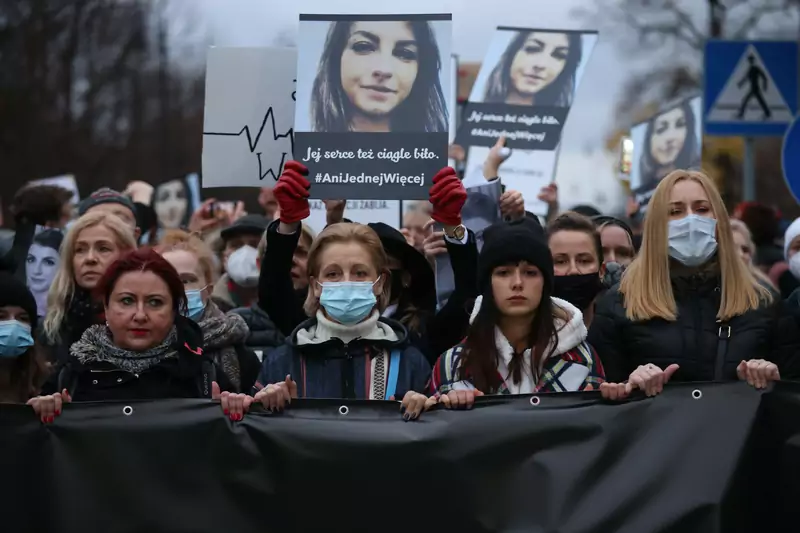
{"x":379,"y":76}
{"x":670,"y":143}
{"x":521,"y":339}
{"x":537,"y":68}
{"x":41,"y":265}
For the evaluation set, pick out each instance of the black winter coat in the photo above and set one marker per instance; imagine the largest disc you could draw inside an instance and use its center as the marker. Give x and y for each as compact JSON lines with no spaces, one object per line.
{"x":187,"y":376}
{"x":264,"y":334}
{"x":705,"y":349}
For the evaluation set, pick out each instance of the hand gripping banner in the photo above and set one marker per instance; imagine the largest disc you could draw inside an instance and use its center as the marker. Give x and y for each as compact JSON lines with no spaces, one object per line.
{"x":698,"y":458}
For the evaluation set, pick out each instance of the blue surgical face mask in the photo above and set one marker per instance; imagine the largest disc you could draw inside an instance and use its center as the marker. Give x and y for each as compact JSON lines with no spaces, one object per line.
{"x":692,"y":239}
{"x":348,"y":302}
{"x":15,"y":338}
{"x":196,"y":305}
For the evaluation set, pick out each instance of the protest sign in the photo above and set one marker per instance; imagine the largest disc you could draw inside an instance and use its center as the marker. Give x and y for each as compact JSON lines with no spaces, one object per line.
{"x":175,"y":200}
{"x":524,"y":92}
{"x":371,"y":120}
{"x":247,"y":131}
{"x":361,"y":211}
{"x":670,"y":140}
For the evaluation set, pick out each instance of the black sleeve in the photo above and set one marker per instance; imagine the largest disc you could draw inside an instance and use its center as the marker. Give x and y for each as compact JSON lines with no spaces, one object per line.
{"x":449,"y":325}
{"x":605,"y":338}
{"x":249,"y":367}
{"x":785,"y":350}
{"x":276,"y":295}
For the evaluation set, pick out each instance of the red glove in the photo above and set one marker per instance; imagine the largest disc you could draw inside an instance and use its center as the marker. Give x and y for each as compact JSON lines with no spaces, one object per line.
{"x":447,"y":196}
{"x":291,"y":192}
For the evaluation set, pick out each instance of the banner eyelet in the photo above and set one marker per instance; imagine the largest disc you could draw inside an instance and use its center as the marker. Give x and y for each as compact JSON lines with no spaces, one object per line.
{"x":127,"y":410}
{"x":697,"y":394}
{"x":535,"y":400}
{"x":344,"y":410}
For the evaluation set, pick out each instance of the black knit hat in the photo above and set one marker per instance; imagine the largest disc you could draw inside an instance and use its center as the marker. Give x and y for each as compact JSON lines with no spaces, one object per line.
{"x":15,"y":292}
{"x":105,"y":196}
{"x":247,"y":225}
{"x":510,"y":242}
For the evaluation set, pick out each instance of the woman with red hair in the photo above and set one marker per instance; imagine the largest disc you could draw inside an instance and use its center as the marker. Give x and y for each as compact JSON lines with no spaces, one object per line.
{"x":145,"y":350}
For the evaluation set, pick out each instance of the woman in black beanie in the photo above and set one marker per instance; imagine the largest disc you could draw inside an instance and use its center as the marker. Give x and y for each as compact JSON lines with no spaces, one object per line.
{"x":22,"y":366}
{"x":521,"y":340}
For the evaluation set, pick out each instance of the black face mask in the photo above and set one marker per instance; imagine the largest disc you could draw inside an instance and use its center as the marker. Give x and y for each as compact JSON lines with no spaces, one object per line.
{"x":580,"y":290}
{"x":397,"y":284}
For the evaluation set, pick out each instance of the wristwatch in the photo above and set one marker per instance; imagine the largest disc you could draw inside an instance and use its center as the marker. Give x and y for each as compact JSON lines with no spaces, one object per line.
{"x":457,"y":232}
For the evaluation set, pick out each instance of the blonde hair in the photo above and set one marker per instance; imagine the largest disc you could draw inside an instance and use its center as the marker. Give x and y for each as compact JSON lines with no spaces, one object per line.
{"x":741,"y":228}
{"x":306,"y":234}
{"x":179,"y":240}
{"x":346,"y":232}
{"x":646,"y":284}
{"x":63,"y":287}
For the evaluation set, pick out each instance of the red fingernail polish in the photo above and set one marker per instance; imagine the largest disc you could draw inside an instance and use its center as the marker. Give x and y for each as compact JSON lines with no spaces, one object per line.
{"x":225,"y":411}
{"x":58,"y":413}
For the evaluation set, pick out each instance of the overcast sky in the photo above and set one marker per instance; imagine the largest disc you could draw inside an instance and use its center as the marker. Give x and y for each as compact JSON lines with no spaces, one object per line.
{"x":585,"y":171}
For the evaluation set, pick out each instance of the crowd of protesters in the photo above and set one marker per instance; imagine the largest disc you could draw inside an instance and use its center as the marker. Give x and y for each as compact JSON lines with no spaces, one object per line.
{"x":258,"y":309}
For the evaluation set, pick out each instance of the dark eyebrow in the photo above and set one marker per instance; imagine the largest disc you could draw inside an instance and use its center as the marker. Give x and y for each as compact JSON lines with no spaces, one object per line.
{"x":407,"y":42}
{"x":538,"y":42}
{"x":561,"y":49}
{"x":371,"y":36}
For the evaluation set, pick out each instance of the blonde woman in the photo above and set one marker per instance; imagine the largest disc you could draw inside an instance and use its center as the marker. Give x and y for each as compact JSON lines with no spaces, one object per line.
{"x":688,"y":308}
{"x":224,"y":334}
{"x":743,"y":240}
{"x":92,"y":243}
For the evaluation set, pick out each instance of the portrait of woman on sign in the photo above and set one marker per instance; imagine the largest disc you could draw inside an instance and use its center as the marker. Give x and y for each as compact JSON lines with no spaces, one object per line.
{"x":669,"y":141}
{"x":374,"y":76}
{"x":537,"y":68}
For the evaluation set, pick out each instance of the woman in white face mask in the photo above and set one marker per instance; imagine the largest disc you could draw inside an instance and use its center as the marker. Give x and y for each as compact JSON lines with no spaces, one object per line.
{"x":688,"y":308}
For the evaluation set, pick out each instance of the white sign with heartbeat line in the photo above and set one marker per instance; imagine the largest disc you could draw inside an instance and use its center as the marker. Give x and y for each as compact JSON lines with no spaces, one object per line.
{"x":750,"y":94}
{"x":248,"y":123}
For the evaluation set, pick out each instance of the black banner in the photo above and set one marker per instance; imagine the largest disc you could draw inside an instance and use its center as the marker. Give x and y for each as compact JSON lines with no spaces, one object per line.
{"x":365,"y":166}
{"x":524,"y":127}
{"x":699,"y":458}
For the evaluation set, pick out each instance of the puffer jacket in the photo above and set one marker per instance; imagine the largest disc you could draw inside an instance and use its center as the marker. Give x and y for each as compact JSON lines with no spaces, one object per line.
{"x":328,"y":368}
{"x":705,"y":349}
{"x":264,"y":335}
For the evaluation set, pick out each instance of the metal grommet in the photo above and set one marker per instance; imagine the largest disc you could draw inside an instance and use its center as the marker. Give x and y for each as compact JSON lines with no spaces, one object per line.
{"x":535,"y":401}
{"x":343,"y":410}
{"x":94,"y":382}
{"x":119,"y":380}
{"x":697,"y":394}
{"x":127,"y":410}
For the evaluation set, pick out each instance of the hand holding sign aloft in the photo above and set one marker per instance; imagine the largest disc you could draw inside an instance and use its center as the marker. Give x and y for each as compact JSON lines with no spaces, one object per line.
{"x":512,"y":205}
{"x":276,"y":396}
{"x":433,"y":244}
{"x":648,"y":378}
{"x":758,"y":373}
{"x":291,"y":192}
{"x":497,"y":155}
{"x":447,"y":195}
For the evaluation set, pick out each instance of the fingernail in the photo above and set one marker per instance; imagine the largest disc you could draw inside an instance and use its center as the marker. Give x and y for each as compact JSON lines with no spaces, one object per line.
{"x":225,"y":411}
{"x":58,"y":413}
{"x":51,"y":419}
{"x":239,"y":416}
{"x":406,"y":417}
{"x":402,"y":408}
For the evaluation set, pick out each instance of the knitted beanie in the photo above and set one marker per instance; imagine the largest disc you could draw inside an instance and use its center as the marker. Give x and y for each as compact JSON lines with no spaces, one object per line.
{"x":15,"y":292}
{"x":105,"y":196}
{"x":511,"y":242}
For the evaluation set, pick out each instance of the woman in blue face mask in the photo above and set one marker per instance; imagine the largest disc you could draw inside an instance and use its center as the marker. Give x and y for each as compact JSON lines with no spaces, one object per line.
{"x":22,"y":366}
{"x":688,"y":308}
{"x":345,"y":349}
{"x":224,"y":334}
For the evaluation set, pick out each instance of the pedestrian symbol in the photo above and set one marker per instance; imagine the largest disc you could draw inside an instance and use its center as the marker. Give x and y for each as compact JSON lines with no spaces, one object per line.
{"x":750,"y":95}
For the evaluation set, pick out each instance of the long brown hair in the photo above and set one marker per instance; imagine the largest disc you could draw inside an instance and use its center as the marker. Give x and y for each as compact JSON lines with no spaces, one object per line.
{"x":25,"y":374}
{"x":646,"y":283}
{"x":480,"y":359}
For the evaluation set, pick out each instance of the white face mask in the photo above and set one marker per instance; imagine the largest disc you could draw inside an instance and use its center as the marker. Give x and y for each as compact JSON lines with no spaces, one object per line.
{"x":794,"y":265}
{"x":692,"y":239}
{"x":242,"y":267}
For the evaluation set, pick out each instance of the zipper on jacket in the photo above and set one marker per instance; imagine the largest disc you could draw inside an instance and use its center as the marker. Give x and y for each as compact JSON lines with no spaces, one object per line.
{"x":723,"y":336}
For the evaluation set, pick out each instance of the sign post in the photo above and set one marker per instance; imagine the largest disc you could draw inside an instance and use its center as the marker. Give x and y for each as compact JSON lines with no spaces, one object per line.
{"x":751,"y":90}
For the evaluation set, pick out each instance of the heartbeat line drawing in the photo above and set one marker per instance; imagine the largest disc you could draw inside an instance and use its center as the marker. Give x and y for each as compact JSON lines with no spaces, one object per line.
{"x":252,"y":144}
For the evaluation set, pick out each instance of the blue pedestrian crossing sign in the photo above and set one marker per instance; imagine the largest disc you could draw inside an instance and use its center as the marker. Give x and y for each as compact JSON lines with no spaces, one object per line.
{"x":751,"y":87}
{"x":790,"y":158}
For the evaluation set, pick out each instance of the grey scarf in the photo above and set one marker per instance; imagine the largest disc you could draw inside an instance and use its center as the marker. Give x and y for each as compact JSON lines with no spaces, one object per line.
{"x":221,"y":333}
{"x":96,"y":344}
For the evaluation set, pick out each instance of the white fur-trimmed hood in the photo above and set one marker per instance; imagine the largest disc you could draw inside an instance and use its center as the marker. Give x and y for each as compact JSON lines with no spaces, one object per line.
{"x":570,"y":333}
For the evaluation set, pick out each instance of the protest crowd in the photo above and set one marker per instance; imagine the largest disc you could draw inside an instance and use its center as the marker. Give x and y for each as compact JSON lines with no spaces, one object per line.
{"x":488,"y":288}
